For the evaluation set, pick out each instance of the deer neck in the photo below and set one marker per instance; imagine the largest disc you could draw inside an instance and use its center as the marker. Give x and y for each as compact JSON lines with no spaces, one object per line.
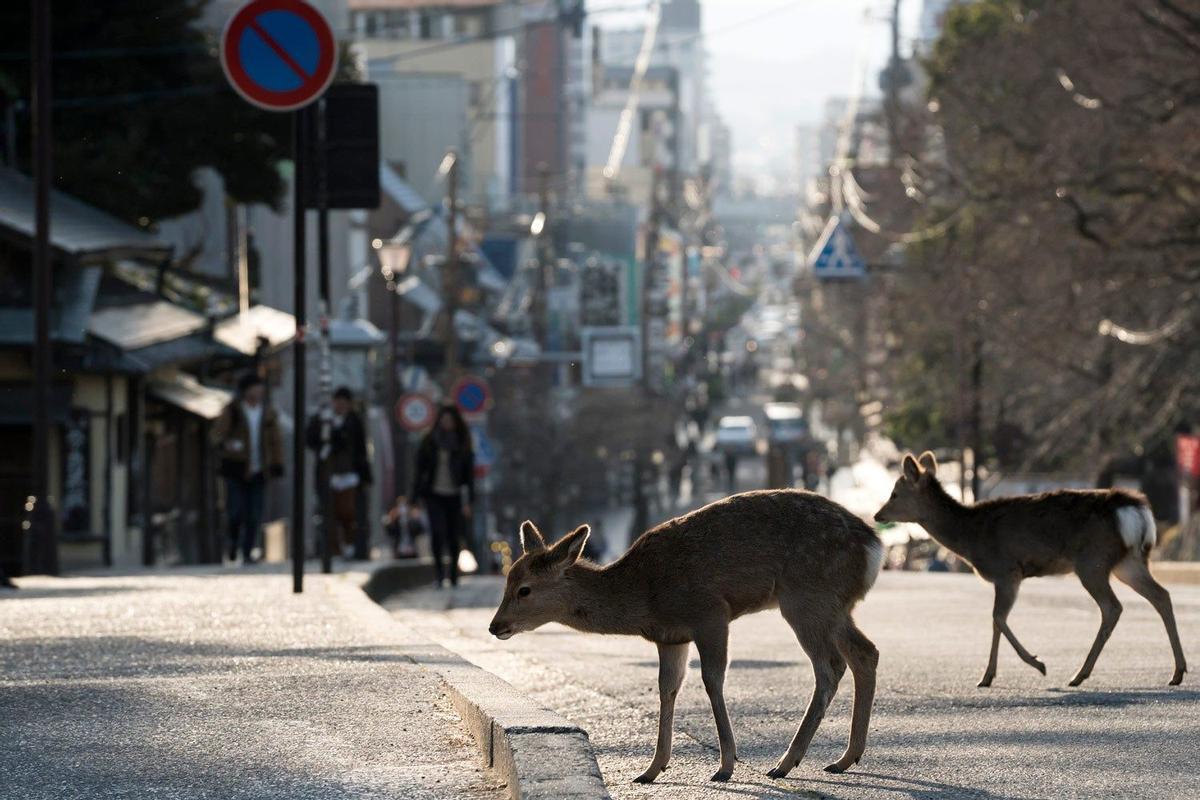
{"x":945,"y":519}
{"x":601,"y":601}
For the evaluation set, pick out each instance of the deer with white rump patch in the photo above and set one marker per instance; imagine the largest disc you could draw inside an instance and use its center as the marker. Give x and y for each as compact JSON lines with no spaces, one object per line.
{"x":687,"y":579}
{"x":1093,"y":533}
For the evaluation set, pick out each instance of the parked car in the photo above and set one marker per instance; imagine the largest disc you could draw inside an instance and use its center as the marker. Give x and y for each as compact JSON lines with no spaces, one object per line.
{"x":736,"y":435}
{"x":785,"y":423}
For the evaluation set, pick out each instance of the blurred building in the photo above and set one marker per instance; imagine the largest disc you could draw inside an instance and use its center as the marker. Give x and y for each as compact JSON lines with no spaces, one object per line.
{"x":447,"y":75}
{"x":142,"y":374}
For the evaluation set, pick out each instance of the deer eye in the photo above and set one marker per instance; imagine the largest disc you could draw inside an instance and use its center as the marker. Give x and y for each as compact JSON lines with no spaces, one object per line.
{"x":524,"y":591}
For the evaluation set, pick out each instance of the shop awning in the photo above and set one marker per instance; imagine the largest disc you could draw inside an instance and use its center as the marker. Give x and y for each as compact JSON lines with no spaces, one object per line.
{"x":242,"y":331}
{"x":132,"y":327}
{"x":76,"y":228}
{"x":185,"y":392}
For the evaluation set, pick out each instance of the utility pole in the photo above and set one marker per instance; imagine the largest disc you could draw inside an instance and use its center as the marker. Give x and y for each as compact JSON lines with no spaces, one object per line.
{"x":450,"y":278}
{"x":648,"y":267}
{"x":42,"y":540}
{"x":892,"y":90}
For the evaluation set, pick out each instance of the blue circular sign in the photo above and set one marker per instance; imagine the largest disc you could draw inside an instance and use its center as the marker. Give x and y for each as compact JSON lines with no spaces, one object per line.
{"x":278,"y":54}
{"x":472,"y":395}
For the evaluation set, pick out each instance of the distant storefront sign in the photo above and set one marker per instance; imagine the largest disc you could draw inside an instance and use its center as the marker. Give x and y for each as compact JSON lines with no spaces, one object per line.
{"x":612,"y":356}
{"x":1187,"y":453}
{"x":76,"y":472}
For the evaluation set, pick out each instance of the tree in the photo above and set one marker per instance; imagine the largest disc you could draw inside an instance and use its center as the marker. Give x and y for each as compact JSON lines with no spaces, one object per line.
{"x":1065,"y":141}
{"x":140,"y":103}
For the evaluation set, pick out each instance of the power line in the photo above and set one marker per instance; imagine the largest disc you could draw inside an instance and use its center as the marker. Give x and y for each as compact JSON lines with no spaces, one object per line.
{"x":616,"y":153}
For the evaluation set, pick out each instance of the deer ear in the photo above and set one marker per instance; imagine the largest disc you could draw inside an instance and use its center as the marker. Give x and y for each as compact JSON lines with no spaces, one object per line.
{"x":568,"y":549}
{"x":531,"y":538}
{"x":910,"y":468}
{"x":928,"y":462}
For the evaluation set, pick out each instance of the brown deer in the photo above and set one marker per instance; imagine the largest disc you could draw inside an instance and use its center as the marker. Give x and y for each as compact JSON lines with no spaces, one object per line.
{"x":1093,"y":533}
{"x":687,"y":579}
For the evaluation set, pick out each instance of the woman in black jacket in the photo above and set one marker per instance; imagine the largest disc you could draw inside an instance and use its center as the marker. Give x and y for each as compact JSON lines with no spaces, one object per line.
{"x":445,"y":468}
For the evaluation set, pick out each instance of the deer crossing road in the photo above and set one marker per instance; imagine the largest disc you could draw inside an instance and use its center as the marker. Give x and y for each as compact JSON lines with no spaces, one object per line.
{"x":934,"y":734}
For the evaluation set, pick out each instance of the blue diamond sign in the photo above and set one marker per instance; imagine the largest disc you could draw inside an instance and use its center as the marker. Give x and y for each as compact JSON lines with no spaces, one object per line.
{"x":835,"y":255}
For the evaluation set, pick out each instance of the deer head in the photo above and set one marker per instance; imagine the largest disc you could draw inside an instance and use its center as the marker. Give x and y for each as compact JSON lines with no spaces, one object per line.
{"x":906,"y":502}
{"x":537,"y":590}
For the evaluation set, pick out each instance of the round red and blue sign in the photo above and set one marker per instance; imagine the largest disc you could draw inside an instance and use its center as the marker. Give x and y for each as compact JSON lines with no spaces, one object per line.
{"x":279,"y":55}
{"x":472,"y":395}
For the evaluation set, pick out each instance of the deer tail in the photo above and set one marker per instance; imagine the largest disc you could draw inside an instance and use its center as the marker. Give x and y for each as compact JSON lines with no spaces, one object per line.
{"x":1137,"y":528}
{"x":875,"y":555}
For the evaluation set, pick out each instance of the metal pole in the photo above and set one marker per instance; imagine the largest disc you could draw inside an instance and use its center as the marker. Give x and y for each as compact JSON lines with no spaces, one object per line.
{"x":451,"y":281}
{"x":326,"y":377}
{"x":648,"y":265}
{"x":398,"y":433}
{"x":42,"y":543}
{"x":298,"y":366}
{"x":543,"y":257}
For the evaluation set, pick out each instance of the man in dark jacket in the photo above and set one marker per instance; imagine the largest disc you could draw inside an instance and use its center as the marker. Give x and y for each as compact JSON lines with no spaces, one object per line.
{"x":250,"y":447}
{"x":345,"y":466}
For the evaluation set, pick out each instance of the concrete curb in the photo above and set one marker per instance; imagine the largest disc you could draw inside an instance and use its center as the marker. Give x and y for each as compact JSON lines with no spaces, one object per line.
{"x":397,"y":576}
{"x":539,"y":754}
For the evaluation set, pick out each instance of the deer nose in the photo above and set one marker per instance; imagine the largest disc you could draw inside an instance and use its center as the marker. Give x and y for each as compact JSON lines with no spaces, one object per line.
{"x":493,"y":628}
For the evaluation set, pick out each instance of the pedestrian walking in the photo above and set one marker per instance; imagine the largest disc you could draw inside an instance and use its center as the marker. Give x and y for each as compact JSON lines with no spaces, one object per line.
{"x":444,"y":483}
{"x":346,"y":465}
{"x":250,"y":447}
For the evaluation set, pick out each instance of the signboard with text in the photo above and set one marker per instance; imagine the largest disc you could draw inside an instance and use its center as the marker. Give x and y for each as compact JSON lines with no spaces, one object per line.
{"x":612,"y":356}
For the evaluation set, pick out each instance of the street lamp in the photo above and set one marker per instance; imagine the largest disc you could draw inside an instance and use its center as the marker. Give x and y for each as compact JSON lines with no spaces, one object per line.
{"x":394,"y":256}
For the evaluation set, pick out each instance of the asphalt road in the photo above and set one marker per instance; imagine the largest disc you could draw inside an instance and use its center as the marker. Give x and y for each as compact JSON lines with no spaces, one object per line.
{"x":1125,"y":733}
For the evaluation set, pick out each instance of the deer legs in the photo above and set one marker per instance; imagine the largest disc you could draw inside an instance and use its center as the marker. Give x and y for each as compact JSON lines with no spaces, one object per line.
{"x":863,"y":657}
{"x":828,"y":668}
{"x":831,"y":645}
{"x":672,"y":667}
{"x":1134,"y":572}
{"x":713,"y":647}
{"x":1096,"y":583}
{"x":1006,"y":596}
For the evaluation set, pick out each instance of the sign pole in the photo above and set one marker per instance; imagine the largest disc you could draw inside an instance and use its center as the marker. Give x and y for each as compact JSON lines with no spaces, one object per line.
{"x":298,"y":367}
{"x":317,"y":110}
{"x":42,"y":541}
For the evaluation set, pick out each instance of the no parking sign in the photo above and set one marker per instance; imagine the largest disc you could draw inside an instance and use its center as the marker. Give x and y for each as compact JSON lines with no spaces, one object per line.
{"x":472,"y":395}
{"x":279,"y":55}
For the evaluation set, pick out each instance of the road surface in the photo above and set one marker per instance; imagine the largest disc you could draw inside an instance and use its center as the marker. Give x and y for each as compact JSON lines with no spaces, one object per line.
{"x":933,"y":735}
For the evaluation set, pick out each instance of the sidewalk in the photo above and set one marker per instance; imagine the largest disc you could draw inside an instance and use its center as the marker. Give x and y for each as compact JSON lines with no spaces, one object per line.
{"x":220,"y":685}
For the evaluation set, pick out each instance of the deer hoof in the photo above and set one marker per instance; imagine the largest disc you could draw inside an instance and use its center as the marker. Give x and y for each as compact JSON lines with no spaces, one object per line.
{"x":985,"y":682}
{"x":1038,"y":665}
{"x":778,"y":772}
{"x":646,"y":777}
{"x":722,"y":775}
{"x":1078,"y":679}
{"x":1177,"y":678}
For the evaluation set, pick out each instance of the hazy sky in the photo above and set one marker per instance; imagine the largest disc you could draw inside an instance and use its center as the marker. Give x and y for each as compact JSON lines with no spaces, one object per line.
{"x":772,"y":64}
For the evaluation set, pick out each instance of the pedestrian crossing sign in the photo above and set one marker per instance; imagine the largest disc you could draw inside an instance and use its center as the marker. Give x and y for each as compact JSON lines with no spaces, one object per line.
{"x":835,"y":255}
